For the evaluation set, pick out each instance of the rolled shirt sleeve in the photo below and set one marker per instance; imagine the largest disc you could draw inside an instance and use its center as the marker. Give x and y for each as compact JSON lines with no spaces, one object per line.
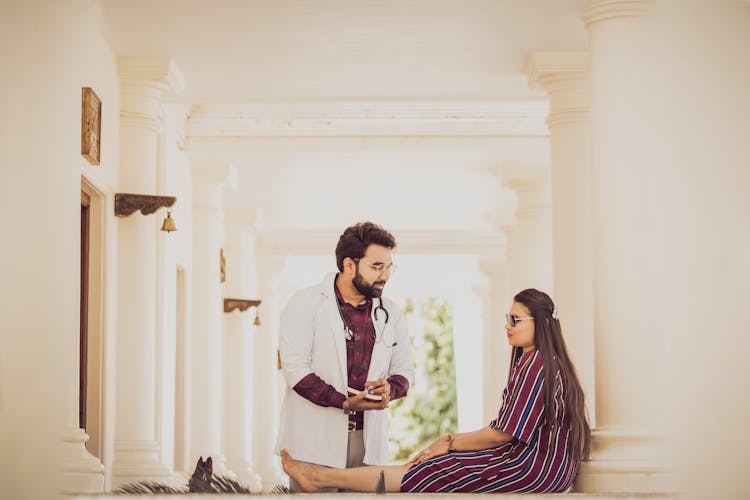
{"x":523,"y":401}
{"x":315,"y":390}
{"x":399,"y":386}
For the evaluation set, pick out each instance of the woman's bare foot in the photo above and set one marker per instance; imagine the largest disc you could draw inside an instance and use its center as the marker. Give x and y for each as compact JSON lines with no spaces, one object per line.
{"x":305,"y":474}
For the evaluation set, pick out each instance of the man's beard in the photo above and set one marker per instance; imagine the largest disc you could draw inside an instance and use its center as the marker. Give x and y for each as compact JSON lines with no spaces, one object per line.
{"x":366,"y":289}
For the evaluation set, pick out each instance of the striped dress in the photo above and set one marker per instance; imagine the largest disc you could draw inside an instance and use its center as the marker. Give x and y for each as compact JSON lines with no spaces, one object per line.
{"x":538,"y":459}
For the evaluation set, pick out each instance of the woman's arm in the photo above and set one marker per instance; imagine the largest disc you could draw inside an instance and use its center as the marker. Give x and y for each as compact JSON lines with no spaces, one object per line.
{"x":482,"y":439}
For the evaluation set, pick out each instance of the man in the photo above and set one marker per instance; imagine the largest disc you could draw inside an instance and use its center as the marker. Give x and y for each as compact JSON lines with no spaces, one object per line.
{"x":342,"y":334}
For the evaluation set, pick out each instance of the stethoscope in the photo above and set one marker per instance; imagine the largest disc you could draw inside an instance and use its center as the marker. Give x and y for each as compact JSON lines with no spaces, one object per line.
{"x":349,"y":334}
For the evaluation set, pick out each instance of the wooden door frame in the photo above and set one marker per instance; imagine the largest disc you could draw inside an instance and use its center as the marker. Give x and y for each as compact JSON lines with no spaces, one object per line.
{"x":84,"y":311}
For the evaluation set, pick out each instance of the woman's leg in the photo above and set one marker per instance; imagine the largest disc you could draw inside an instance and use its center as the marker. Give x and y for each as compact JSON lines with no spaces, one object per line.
{"x":312,"y":477}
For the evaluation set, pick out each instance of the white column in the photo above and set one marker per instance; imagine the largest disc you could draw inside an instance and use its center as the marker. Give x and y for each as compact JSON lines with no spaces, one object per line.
{"x":143,"y":82}
{"x":239,"y":362}
{"x":469,"y":348}
{"x":209,"y":183}
{"x":565,"y":76}
{"x":496,"y":352}
{"x":628,"y":452}
{"x":670,"y":245}
{"x":268,"y":382}
{"x":530,"y":238}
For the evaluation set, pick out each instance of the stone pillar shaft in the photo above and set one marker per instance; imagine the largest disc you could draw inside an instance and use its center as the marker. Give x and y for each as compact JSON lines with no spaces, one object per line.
{"x":136,"y":458}
{"x":496,"y":351}
{"x":207,"y":330}
{"x":267,"y":380}
{"x":239,"y":362}
{"x":670,"y":177}
{"x":565,"y":76}
{"x":530,"y":238}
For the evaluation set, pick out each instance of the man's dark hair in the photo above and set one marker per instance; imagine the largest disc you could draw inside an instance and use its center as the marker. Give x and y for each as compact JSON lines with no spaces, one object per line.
{"x":355,"y":240}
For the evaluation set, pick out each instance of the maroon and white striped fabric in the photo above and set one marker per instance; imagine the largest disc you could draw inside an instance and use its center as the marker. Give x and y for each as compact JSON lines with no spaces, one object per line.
{"x":538,"y":459}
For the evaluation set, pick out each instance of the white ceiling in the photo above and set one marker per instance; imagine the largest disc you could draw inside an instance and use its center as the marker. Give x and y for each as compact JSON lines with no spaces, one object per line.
{"x":400,"y":111}
{"x":238,"y":50}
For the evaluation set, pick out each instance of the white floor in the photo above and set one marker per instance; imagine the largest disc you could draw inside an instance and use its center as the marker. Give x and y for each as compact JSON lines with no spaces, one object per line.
{"x":403,"y":496}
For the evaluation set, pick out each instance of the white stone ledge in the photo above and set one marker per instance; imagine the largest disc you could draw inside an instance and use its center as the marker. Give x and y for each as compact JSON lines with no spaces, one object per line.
{"x":404,"y":496}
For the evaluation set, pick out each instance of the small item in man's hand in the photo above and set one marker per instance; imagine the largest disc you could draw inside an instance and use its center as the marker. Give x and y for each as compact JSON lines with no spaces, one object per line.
{"x":368,"y":394}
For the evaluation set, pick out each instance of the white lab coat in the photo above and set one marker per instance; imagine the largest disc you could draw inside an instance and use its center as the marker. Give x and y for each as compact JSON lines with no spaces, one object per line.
{"x":311,"y":340}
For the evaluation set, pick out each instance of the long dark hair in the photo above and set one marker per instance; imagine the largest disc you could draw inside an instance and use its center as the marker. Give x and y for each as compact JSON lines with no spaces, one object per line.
{"x":550,"y":344}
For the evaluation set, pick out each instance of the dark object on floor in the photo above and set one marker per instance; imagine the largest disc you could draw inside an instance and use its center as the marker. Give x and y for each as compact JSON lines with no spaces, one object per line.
{"x":201,"y":481}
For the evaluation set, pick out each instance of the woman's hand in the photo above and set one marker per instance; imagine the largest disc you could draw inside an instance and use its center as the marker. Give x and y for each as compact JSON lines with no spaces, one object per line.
{"x":437,"y":448}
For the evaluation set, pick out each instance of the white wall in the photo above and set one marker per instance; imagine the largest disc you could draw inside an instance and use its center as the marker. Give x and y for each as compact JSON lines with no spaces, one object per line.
{"x":49,"y":51}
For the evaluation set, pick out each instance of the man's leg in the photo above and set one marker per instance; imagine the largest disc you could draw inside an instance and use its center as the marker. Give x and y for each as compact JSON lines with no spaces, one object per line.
{"x":355,"y":456}
{"x":296,"y":488}
{"x":355,"y":451}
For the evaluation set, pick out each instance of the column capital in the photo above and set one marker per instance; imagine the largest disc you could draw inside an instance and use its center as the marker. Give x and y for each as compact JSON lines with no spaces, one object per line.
{"x":532,"y":187}
{"x":493,"y":268}
{"x":220,"y":174}
{"x":143,"y":83}
{"x":565,"y":76}
{"x":210,"y":182}
{"x":550,"y":70}
{"x":160,"y":73}
{"x":242,"y":229}
{"x":601,"y":10}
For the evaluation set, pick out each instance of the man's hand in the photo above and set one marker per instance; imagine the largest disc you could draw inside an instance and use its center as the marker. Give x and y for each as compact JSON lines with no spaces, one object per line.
{"x":379,"y":387}
{"x":358,"y":402}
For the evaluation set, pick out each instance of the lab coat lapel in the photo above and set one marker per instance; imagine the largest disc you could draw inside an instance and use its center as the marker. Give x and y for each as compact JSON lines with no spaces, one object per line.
{"x":378,"y":364}
{"x":336,"y":323}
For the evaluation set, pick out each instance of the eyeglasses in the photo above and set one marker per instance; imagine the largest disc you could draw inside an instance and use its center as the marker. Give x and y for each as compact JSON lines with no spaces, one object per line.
{"x":380,"y":267}
{"x":513,"y":319}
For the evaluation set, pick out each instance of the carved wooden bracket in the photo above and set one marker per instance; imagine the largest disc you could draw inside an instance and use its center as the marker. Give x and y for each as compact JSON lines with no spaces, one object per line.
{"x":126,"y":204}
{"x":241,"y":304}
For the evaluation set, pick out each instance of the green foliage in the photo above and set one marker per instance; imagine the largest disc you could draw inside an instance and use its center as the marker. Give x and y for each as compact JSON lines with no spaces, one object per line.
{"x":429,"y":410}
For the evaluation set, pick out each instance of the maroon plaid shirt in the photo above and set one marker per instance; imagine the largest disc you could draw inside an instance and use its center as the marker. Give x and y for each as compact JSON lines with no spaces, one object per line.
{"x":358,"y":356}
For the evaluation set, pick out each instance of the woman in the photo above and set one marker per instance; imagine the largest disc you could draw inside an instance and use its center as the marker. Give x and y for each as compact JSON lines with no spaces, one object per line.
{"x":535,"y":444}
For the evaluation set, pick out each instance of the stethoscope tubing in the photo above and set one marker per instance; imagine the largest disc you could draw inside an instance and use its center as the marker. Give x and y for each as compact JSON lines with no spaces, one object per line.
{"x":378,"y":334}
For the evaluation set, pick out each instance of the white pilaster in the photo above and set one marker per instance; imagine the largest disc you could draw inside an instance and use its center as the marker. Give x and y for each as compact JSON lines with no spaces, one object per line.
{"x":496,"y":353}
{"x":268,"y":381}
{"x":530,"y":238}
{"x":143,"y":83}
{"x":565,"y":76}
{"x":209,"y":183}
{"x":239,"y":355}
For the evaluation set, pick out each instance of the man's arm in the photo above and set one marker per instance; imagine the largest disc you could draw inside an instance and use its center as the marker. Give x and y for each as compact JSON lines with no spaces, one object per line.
{"x":295,"y":346}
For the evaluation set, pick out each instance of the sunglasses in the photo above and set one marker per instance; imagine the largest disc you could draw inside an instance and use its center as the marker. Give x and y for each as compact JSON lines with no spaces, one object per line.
{"x":513,"y":320}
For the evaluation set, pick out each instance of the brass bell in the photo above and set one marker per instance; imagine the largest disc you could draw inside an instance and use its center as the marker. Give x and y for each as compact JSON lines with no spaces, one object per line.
{"x":256,"y":322}
{"x":168,"y":224}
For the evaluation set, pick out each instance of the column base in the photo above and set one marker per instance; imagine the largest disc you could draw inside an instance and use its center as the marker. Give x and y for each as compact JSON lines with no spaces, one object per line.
{"x":628,"y":462}
{"x":245,"y":475}
{"x":220,"y":466}
{"x":271,"y":476}
{"x":82,"y":472}
{"x":137,"y":461}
